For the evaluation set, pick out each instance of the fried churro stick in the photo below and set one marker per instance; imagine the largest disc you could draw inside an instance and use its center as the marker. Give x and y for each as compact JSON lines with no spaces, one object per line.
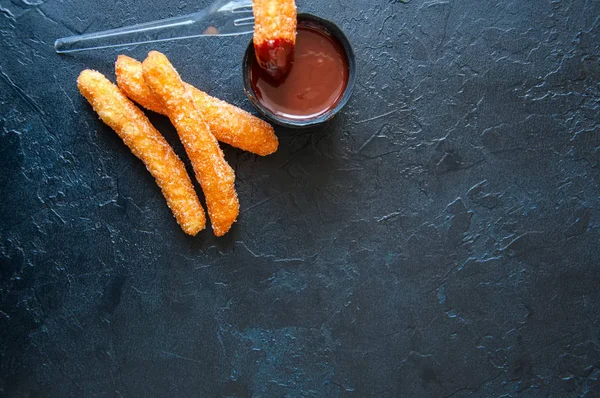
{"x":274,"y":34}
{"x":228,"y":123}
{"x":130,"y":123}
{"x":212,"y":171}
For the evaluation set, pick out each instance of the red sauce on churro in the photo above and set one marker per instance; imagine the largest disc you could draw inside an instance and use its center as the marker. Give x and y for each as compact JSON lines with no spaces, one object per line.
{"x":275,"y":57}
{"x":315,"y":82}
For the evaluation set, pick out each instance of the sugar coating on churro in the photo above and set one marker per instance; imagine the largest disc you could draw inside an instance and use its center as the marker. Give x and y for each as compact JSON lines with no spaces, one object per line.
{"x":131,"y":81}
{"x":274,"y":19}
{"x":228,"y":123}
{"x":146,"y":143}
{"x":235,"y":126}
{"x":212,"y":171}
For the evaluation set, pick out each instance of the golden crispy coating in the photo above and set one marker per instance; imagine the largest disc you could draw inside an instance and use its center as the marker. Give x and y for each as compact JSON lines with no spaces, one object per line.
{"x":274,"y":34}
{"x":131,"y":81}
{"x":228,"y":123}
{"x":130,"y":123}
{"x":212,"y":171}
{"x":274,"y":19}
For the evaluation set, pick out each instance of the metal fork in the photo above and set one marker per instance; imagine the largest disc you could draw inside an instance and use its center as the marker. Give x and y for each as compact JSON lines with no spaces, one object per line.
{"x":222,"y":18}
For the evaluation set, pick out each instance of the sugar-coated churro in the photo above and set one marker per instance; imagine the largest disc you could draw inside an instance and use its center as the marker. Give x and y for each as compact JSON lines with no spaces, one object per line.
{"x":212,"y":171}
{"x":130,"y":123}
{"x":274,"y":34}
{"x":228,"y":123}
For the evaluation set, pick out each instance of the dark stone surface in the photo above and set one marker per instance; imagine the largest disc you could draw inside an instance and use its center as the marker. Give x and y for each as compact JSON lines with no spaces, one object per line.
{"x":439,"y":238}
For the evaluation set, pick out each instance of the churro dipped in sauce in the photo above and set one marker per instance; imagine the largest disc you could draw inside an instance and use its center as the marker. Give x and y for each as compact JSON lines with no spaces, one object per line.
{"x":274,"y":35}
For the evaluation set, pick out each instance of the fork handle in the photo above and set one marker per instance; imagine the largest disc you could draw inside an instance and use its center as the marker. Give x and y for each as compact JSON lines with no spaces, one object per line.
{"x":166,"y":29}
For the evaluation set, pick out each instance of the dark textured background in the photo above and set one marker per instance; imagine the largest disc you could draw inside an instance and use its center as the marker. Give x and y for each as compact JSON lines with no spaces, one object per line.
{"x":439,"y":238}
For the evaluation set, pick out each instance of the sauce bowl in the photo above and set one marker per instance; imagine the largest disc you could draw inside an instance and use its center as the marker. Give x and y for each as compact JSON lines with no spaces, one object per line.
{"x":270,"y":104}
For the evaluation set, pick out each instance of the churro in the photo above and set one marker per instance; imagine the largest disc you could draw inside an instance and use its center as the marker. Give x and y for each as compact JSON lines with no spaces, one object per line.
{"x":274,"y":34}
{"x":228,"y":123}
{"x":146,"y":143}
{"x":212,"y":171}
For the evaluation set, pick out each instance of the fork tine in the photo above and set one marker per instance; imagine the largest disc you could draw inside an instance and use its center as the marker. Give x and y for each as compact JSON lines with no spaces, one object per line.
{"x":244,"y":8}
{"x":244,"y":21}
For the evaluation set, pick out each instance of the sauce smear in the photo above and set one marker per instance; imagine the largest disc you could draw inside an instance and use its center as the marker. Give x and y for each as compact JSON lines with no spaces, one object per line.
{"x":316,"y":79}
{"x":275,"y":57}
